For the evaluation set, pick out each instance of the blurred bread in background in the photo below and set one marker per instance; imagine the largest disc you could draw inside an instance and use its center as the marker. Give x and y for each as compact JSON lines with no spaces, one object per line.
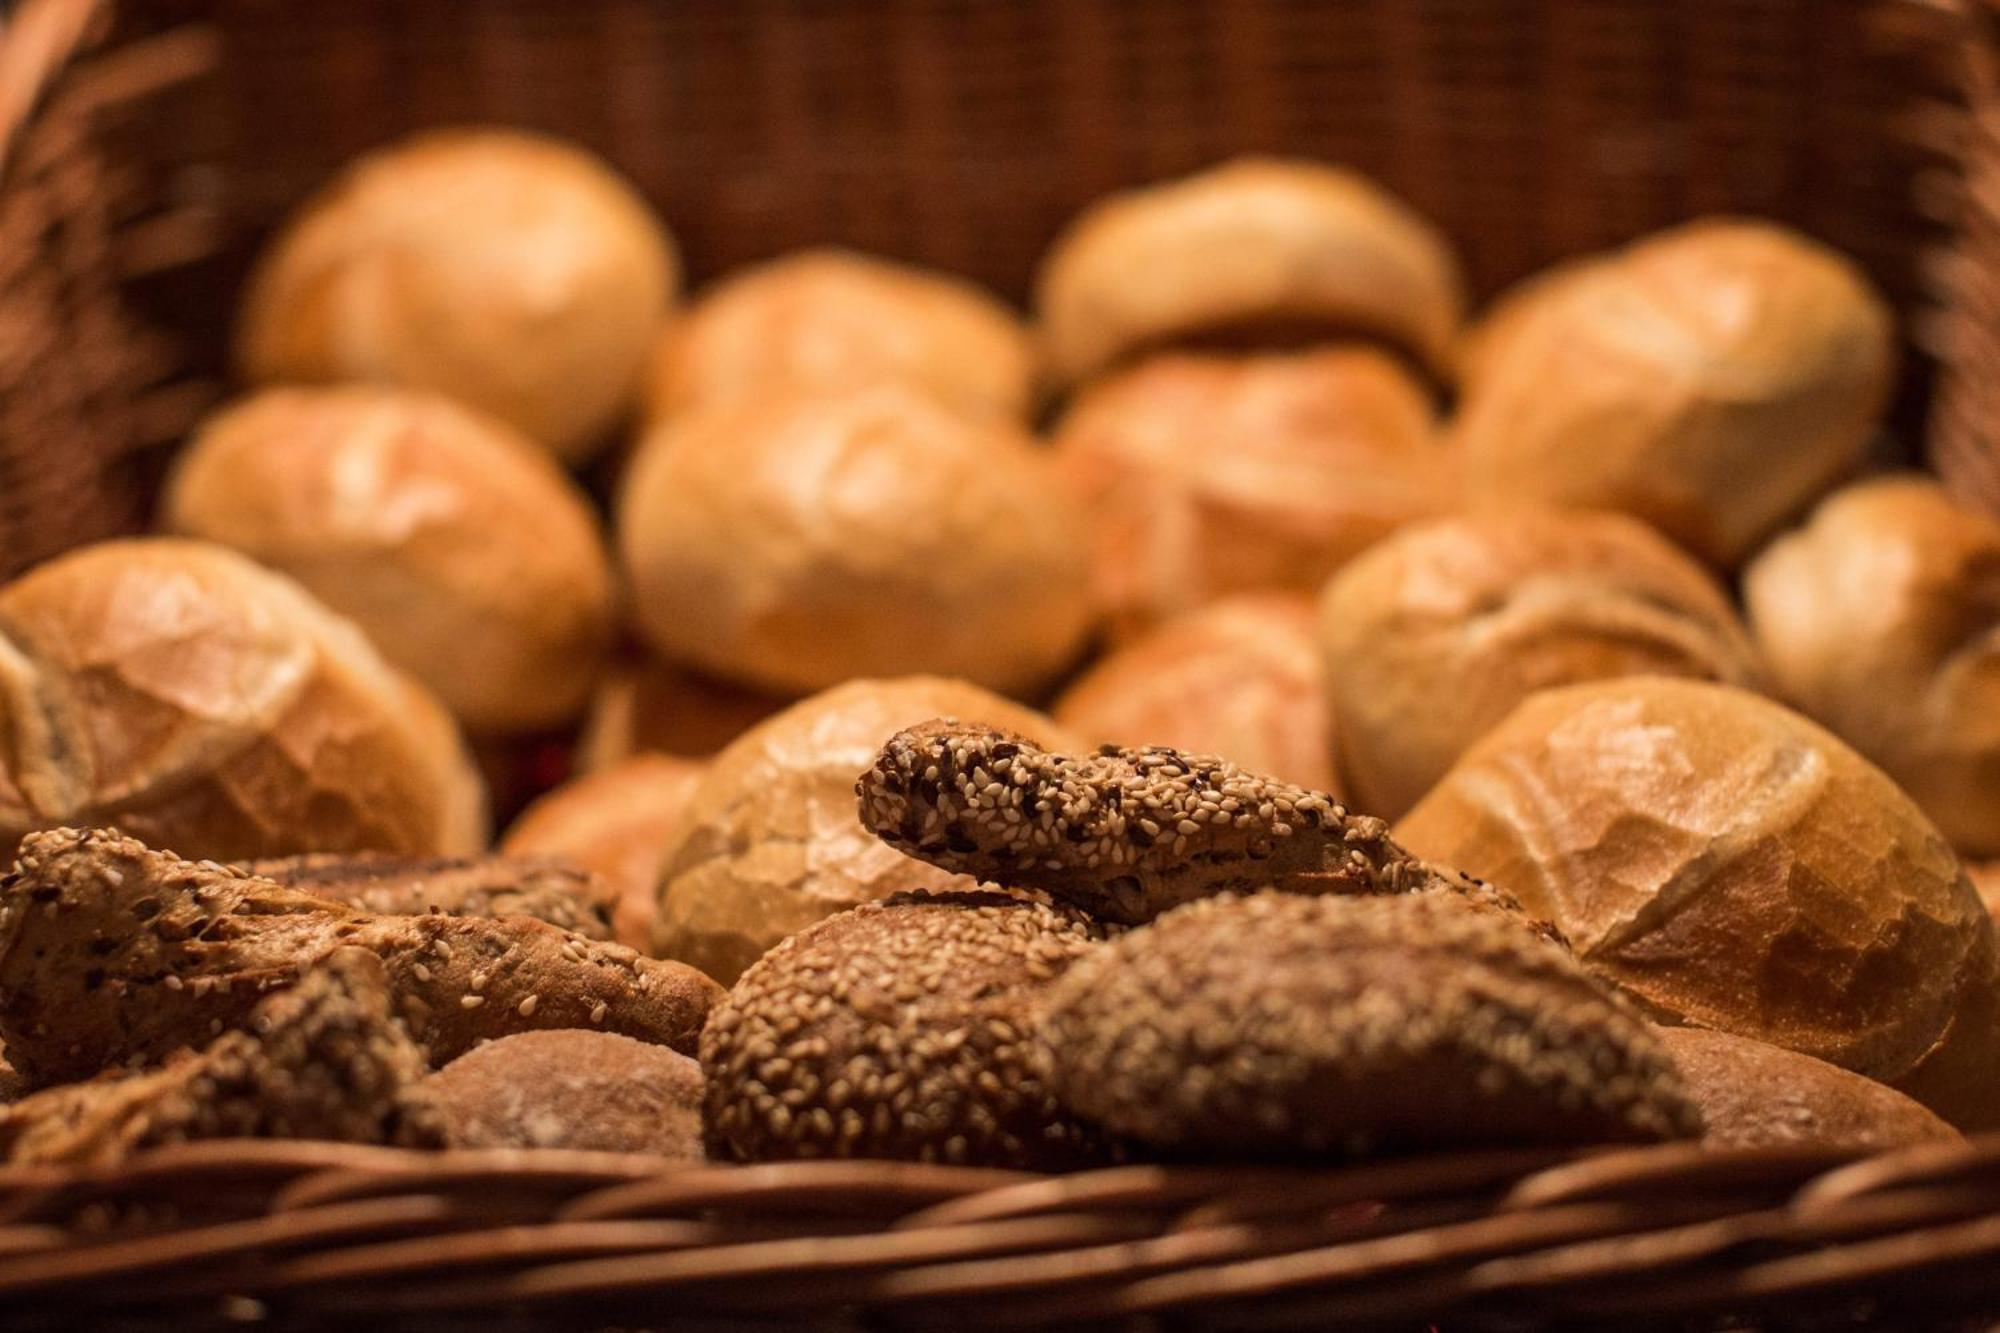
{"x":647,"y":705}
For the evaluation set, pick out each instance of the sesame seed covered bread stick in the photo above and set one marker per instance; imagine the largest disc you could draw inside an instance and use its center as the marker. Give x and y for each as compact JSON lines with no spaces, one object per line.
{"x":1127,"y":833}
{"x":111,"y":951}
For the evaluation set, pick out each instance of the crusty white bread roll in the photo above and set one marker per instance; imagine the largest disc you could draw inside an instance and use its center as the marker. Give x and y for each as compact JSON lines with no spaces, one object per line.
{"x":804,"y":539}
{"x":831,"y":319}
{"x":463,"y":551}
{"x":1255,"y":250}
{"x":770,"y":843}
{"x":1730,"y":864}
{"x":1881,"y":618}
{"x":617,"y":824}
{"x":514,"y":272}
{"x":1711,"y":379}
{"x":199,"y":702}
{"x":1239,"y":678}
{"x":1431,"y":637}
{"x":1209,"y":475}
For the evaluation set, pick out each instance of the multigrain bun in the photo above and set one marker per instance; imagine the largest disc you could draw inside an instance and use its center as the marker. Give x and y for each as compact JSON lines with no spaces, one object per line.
{"x":1209,"y":475}
{"x":412,"y":517}
{"x":1434,"y":635}
{"x":829,"y":319}
{"x":650,"y":706}
{"x":1275,"y":1024}
{"x":1755,"y":1095}
{"x":1731,"y":865}
{"x":1239,"y":678}
{"x":1250,"y":250}
{"x":556,"y":891}
{"x":510,"y":271}
{"x":770,"y":843}
{"x":1881,"y":618}
{"x":800,"y":540}
{"x":618,"y":824}
{"x":586,"y":1091}
{"x":181,"y":692}
{"x":1711,"y":379}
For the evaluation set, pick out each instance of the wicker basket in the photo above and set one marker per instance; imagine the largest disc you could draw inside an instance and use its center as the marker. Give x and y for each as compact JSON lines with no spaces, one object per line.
{"x":148,"y":146}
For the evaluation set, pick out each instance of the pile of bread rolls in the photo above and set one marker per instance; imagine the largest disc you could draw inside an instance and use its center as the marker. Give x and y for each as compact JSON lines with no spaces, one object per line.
{"x":1244,"y":709}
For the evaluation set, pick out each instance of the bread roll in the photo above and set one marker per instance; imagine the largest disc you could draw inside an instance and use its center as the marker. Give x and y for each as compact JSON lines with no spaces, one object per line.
{"x":1881,"y":618}
{"x":1252,"y":250}
{"x":770,"y":843}
{"x":549,"y":889}
{"x":1712,"y":380}
{"x":1755,"y":1095}
{"x":798,"y":541}
{"x":585,"y":1091}
{"x":1985,"y":877}
{"x":513,"y":272}
{"x":1731,"y":865}
{"x":1434,"y":635}
{"x":831,"y":319}
{"x":197,"y":701}
{"x":469,"y":558}
{"x":652,"y":706}
{"x":1209,"y":475}
{"x":1239,"y":678}
{"x":617,"y":824}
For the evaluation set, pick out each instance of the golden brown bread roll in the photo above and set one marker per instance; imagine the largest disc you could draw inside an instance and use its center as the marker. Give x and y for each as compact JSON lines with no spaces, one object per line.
{"x":469,"y":558}
{"x":1209,"y":475}
{"x":557,"y":891}
{"x":770,"y":843}
{"x":1434,"y":635}
{"x":798,"y":541}
{"x":1711,"y":379}
{"x":178,"y":690}
{"x":1239,"y":678}
{"x":1731,"y":865}
{"x":1881,"y":618}
{"x":1985,"y":877}
{"x":830,"y":319}
{"x":586,"y":1091}
{"x":650,"y":706}
{"x":618,"y":824}
{"x":1254,"y":248}
{"x":1755,"y":1095}
{"x":511,"y":271}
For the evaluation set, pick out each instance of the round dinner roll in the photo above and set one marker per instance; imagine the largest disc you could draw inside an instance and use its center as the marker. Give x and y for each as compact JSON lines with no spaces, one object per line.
{"x":1433,"y":636}
{"x":513,"y":272}
{"x":1239,"y":678}
{"x":1730,"y":864}
{"x":833,"y":319}
{"x":770,"y":842}
{"x":199,"y":702}
{"x":1210,"y":474}
{"x":650,"y":706}
{"x":1755,"y":1095}
{"x":800,"y":540}
{"x":617,"y":824}
{"x":1881,"y":618}
{"x":469,"y":557}
{"x":564,"y":1088}
{"x":1711,"y":379}
{"x":1254,"y":250}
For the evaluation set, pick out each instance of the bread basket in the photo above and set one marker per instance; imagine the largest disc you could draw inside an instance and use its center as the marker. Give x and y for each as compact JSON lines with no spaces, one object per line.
{"x":148,"y":145}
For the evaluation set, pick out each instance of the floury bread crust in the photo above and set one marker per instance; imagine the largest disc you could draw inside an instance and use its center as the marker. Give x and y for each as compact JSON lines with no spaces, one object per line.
{"x":588,"y":1091}
{"x":1731,"y":865}
{"x":110,"y":951}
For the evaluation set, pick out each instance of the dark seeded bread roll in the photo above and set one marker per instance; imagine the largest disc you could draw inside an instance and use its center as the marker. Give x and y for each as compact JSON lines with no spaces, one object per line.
{"x":546,"y":888}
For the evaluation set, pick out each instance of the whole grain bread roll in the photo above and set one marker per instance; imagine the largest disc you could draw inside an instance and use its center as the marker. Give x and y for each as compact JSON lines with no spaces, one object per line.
{"x":1433,"y":636}
{"x":1254,"y":250}
{"x":1881,"y":618}
{"x":585,"y":1091}
{"x":1711,"y":379}
{"x":801,"y":540}
{"x":408,"y":514}
{"x":513,"y":272}
{"x":1731,"y":865}
{"x":831,"y":318}
{"x":1239,"y":678}
{"x":547,"y":888}
{"x":770,"y":842}
{"x":203,"y":703}
{"x":1208,"y":475}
